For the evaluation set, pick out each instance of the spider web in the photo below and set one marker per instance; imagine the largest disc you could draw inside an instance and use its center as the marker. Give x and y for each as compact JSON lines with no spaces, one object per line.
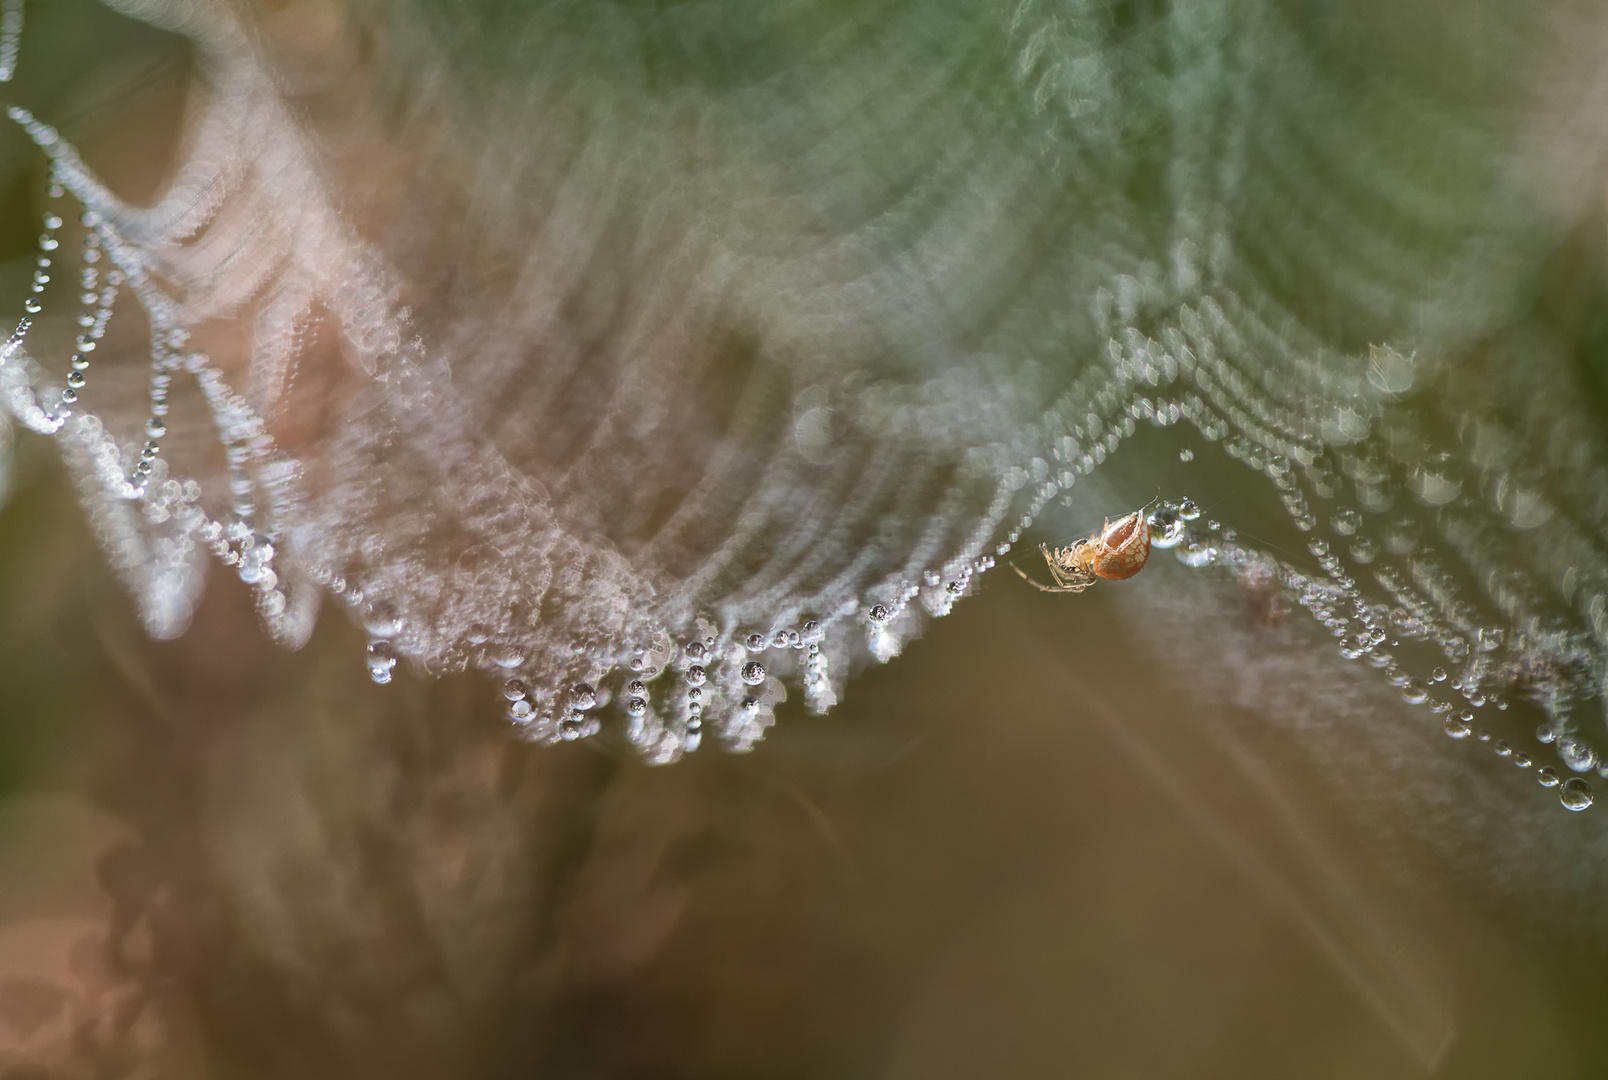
{"x":661,"y":360}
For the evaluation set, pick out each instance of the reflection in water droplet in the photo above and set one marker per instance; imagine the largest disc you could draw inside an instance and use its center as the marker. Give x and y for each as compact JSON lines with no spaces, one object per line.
{"x":1546,"y":776}
{"x":1188,"y":510}
{"x":1575,"y":794}
{"x":753,"y":673}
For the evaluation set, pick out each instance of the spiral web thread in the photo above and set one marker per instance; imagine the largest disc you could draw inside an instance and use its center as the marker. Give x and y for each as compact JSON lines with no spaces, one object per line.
{"x":824,"y":530}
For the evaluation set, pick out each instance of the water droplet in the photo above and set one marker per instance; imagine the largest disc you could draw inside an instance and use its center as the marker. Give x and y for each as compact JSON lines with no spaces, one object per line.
{"x":1438,"y":675}
{"x":1546,"y":776}
{"x":1188,"y":510}
{"x":755,"y":643}
{"x":696,"y":676}
{"x":880,"y":614}
{"x":1456,"y":728}
{"x":381,"y":660}
{"x":1577,"y":754}
{"x":1575,"y":794}
{"x":1502,"y":749}
{"x":812,"y":633}
{"x":697,"y":651}
{"x":1197,"y":554}
{"x":382,"y":620}
{"x":1365,"y":549}
{"x":1166,"y":527}
{"x":1413,"y":692}
{"x":636,"y":688}
{"x":506,"y":655}
{"x":1545,"y":735}
{"x":1522,"y":760}
{"x":520,"y":710}
{"x":1186,"y":456}
{"x":636,"y":707}
{"x":515,"y":690}
{"x":1346,"y":522}
{"x":753,"y":673}
{"x":582,"y":696}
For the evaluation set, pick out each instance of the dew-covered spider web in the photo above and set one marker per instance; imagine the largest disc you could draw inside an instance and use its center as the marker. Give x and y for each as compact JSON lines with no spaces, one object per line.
{"x":667,"y":360}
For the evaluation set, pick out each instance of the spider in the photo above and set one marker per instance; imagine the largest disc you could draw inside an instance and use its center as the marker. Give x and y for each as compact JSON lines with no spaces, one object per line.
{"x":1118,"y":550}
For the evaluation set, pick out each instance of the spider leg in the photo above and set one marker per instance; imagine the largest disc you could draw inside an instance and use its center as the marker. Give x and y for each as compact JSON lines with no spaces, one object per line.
{"x":1059,"y":587}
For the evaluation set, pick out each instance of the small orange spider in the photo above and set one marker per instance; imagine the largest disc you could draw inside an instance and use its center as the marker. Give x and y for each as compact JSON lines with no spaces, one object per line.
{"x":1119,"y":550}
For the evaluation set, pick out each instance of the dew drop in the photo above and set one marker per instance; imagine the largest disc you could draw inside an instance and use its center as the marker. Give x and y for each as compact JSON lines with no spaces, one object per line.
{"x":697,"y":651}
{"x":520,"y":710}
{"x":1456,"y":728}
{"x":1502,"y":749}
{"x":382,"y":620}
{"x":1546,"y":776}
{"x":1186,"y":456}
{"x":753,"y":673}
{"x":583,"y":696}
{"x":1575,"y":794}
{"x":1365,"y":550}
{"x":515,"y":690}
{"x":1166,"y":527}
{"x":1438,"y":675}
{"x":1413,"y":692}
{"x":696,"y":676}
{"x":381,"y":660}
{"x":636,"y":688}
{"x":880,"y":614}
{"x":811,"y":633}
{"x":1577,"y":754}
{"x":1188,"y":510}
{"x":755,"y":643}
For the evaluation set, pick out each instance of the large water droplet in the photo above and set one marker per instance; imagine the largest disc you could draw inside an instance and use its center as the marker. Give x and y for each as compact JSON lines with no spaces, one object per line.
{"x":1575,"y":794}
{"x":382,"y":620}
{"x":753,"y":673}
{"x":1577,"y":754}
{"x":381,"y":660}
{"x":583,"y":696}
{"x":1166,"y":527}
